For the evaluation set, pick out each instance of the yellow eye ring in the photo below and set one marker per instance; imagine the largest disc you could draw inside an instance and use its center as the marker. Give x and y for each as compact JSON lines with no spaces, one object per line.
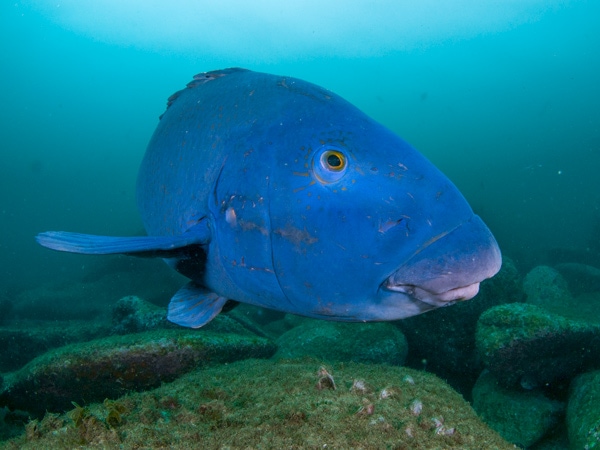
{"x":333,"y":160}
{"x":329,"y":164}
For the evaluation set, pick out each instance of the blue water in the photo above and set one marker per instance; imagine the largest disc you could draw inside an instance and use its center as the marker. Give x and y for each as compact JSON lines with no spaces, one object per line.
{"x":503,"y":96}
{"x":504,"y":99}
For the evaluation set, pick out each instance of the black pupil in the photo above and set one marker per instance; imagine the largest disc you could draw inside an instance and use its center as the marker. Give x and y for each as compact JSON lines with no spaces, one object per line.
{"x":334,"y":160}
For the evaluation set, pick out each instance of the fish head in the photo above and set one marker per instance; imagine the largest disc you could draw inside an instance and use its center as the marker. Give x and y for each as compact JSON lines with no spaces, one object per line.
{"x":364,"y":227}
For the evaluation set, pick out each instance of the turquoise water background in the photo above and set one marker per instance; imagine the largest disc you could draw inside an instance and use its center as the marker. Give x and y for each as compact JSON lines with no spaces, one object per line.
{"x":504,"y":97}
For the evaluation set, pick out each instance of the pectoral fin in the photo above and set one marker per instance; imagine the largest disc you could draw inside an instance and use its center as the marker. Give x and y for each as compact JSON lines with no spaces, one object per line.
{"x":145,"y":246}
{"x":194,"y":306}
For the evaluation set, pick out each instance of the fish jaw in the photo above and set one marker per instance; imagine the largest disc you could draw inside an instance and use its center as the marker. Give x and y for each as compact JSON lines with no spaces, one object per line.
{"x":436,"y":299}
{"x":438,"y":274}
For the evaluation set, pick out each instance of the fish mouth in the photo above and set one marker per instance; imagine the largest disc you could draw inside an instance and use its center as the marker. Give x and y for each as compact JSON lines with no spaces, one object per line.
{"x":444,"y":298}
{"x":449,"y":267}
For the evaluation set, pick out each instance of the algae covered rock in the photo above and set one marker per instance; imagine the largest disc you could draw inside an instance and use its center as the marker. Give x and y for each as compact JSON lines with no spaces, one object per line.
{"x":270,"y":404}
{"x":569,"y":290}
{"x":525,"y":345}
{"x":113,"y":366}
{"x":21,"y":342}
{"x":132,"y":314}
{"x":583,"y":411}
{"x":338,"y":341}
{"x":546,"y":287}
{"x":521,"y":417}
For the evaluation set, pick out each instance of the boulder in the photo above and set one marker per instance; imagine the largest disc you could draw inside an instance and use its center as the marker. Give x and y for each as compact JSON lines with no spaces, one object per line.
{"x":276,"y":404}
{"x":110,"y":367}
{"x":522,"y":417}
{"x":546,"y":287}
{"x":132,"y":314}
{"x":583,"y":411}
{"x":23,"y":341}
{"x":380,"y":343}
{"x":525,"y":345}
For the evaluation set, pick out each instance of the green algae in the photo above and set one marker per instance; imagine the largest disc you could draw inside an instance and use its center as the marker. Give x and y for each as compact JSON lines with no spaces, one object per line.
{"x":499,"y":407}
{"x":522,"y":343}
{"x":501,"y":326}
{"x":583,"y":411}
{"x":340,"y":341}
{"x":20,"y":342}
{"x":276,"y":404}
{"x":113,"y":366}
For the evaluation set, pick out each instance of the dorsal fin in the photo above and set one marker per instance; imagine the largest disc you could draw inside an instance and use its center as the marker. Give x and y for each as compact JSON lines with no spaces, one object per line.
{"x":203,"y":78}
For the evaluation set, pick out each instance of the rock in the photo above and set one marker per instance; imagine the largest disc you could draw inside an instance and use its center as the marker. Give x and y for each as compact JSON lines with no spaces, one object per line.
{"x":546,"y":287}
{"x":588,"y":308}
{"x":338,"y":341}
{"x":20,"y":343}
{"x":521,"y":417}
{"x":278,"y":327}
{"x":11,"y":423}
{"x":268,"y":404}
{"x":132,"y":314}
{"x":581,"y":278}
{"x":583,"y":411}
{"x":445,"y":337}
{"x":110,"y":367}
{"x":525,"y":345}
{"x":555,"y":439}
{"x":258,"y":315}
{"x":244,"y":321}
{"x":283,"y":324}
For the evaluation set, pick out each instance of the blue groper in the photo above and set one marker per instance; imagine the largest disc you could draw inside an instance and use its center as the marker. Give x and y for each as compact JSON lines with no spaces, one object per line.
{"x":272,"y":191}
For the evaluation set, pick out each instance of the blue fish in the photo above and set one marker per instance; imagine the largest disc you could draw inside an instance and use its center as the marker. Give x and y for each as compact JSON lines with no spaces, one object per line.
{"x":272,"y":191}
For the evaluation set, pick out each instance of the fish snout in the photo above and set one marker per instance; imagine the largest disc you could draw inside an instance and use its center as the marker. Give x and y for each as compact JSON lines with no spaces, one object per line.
{"x":449,"y":267}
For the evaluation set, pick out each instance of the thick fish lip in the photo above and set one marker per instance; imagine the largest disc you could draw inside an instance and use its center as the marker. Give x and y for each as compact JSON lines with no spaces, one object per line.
{"x":449,"y":267}
{"x":435,"y":298}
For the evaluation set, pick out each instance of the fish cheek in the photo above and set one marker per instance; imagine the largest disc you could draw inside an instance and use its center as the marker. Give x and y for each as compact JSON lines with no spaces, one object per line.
{"x":324,"y":256}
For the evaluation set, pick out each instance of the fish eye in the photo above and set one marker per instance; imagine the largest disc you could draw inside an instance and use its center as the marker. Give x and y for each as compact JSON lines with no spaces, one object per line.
{"x":329,"y":164}
{"x":333,"y":160}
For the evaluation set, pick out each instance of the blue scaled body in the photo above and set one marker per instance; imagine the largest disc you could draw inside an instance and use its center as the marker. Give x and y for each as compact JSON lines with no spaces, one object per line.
{"x":272,"y":191}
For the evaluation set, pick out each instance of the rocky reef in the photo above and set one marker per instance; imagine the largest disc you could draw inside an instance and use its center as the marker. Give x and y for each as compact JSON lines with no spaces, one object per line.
{"x":269,"y":404}
{"x":111,"y":367}
{"x":524,"y":352}
{"x":378,"y":343}
{"x":583,"y":412}
{"x":540,"y":359}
